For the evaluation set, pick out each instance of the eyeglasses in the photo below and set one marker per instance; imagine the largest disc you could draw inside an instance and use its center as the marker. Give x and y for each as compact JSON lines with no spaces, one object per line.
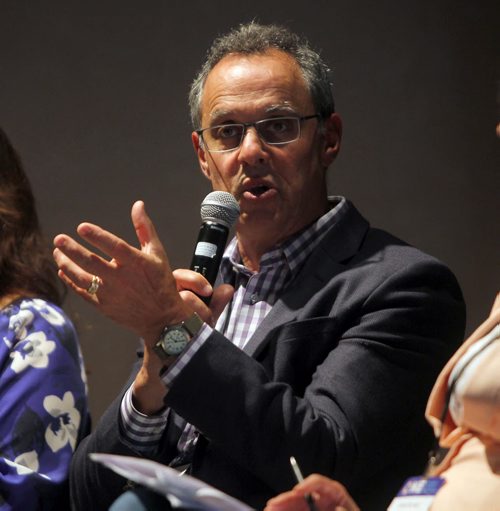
{"x":274,"y":131}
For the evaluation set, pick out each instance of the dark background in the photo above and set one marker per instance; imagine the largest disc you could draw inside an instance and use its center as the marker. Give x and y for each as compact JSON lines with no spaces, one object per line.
{"x":94,"y":97}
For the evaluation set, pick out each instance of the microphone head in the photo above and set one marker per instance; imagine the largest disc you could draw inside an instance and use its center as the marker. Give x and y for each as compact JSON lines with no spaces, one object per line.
{"x":220,"y":207}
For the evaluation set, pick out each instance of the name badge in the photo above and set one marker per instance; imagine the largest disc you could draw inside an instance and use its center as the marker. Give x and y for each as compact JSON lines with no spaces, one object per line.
{"x":416,"y":494}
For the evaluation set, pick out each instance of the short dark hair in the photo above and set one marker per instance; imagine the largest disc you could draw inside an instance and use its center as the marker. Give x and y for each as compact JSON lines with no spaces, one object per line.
{"x":26,"y":265}
{"x":254,"y":38}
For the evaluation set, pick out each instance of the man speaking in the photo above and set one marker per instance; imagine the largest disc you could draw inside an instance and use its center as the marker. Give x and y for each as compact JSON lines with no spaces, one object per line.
{"x":323,"y":336}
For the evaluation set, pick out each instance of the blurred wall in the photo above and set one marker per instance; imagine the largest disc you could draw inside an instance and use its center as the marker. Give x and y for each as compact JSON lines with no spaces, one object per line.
{"x":94,"y":97}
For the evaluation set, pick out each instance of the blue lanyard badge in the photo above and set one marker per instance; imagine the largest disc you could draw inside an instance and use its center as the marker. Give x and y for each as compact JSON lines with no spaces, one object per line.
{"x":416,"y":494}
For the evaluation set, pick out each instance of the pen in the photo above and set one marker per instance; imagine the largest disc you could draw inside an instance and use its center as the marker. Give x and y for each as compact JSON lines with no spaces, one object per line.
{"x":300,"y":478}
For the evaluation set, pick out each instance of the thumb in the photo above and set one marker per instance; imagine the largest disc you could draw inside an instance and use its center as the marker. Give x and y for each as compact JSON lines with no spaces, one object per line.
{"x":145,"y":230}
{"x":221,"y":297}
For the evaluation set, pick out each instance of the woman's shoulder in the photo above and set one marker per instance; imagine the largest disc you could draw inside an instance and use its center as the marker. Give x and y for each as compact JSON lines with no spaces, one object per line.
{"x":26,"y":310}
{"x":37,"y":336}
{"x":33,"y":318}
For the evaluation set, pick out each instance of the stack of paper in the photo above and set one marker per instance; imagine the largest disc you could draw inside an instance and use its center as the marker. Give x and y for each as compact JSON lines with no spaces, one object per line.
{"x":180,"y":490}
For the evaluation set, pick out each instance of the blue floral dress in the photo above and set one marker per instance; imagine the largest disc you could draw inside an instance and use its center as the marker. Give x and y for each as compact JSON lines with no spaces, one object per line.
{"x":43,"y":404}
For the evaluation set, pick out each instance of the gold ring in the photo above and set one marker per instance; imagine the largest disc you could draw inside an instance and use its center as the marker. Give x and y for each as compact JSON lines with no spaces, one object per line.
{"x":94,"y":285}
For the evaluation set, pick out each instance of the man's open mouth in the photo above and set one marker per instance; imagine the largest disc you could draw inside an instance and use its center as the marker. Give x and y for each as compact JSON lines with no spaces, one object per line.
{"x":257,"y":191}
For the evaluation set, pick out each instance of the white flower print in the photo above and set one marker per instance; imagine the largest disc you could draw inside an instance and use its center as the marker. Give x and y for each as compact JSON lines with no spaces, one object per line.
{"x":20,"y":322}
{"x":25,"y":463}
{"x":47,"y":312}
{"x":64,"y":429}
{"x":33,"y":352}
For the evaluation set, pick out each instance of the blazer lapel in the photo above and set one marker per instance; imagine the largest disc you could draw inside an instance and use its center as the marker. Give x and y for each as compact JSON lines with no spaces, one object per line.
{"x":340,"y":244}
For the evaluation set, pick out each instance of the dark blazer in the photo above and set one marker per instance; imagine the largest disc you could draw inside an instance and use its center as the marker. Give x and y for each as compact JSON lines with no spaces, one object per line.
{"x":337,"y":375}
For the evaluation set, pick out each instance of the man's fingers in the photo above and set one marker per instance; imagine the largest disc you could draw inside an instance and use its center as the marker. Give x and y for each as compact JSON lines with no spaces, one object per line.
{"x":118,"y":250}
{"x":77,"y":265}
{"x":107,"y":242}
{"x":221,"y":297}
{"x":91,"y":298}
{"x":192,"y":285}
{"x":193,"y":281}
{"x":288,"y":501}
{"x":82,"y":256}
{"x":327,"y":492}
{"x":145,"y":230}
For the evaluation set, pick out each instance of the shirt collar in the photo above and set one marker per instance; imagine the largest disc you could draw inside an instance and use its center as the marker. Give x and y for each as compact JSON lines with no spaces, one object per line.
{"x":293,"y":251}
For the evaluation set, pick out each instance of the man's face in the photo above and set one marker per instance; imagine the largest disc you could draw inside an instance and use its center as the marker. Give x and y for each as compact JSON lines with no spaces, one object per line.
{"x":280,"y":188}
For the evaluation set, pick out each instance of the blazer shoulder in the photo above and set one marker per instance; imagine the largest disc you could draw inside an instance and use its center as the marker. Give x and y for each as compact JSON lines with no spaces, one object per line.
{"x":368,"y":258}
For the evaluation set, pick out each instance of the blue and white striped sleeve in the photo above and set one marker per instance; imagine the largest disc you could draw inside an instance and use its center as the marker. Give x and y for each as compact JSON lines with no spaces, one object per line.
{"x":143,"y":432}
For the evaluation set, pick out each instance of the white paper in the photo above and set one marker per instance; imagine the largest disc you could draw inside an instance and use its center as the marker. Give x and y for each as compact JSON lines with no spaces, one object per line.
{"x":180,"y":490}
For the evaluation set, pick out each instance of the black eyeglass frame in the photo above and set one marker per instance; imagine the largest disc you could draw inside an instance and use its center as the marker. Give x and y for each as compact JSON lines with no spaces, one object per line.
{"x":255,"y":124}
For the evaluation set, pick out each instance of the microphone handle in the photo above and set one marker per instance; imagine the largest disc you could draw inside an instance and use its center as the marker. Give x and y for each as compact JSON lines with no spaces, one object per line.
{"x":208,"y":252}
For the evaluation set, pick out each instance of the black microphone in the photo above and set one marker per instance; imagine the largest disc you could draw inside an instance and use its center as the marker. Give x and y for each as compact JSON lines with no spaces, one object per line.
{"x":219,"y":211}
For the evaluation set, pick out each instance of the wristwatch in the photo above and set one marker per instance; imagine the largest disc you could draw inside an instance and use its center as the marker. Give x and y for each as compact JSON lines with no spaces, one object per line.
{"x":174,"y":338}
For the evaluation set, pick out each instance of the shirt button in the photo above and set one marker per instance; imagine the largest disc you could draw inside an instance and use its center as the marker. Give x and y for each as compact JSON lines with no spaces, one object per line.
{"x":254,"y":298}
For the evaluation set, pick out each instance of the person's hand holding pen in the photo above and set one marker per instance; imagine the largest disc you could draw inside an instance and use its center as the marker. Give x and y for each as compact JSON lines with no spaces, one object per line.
{"x":324,"y":493}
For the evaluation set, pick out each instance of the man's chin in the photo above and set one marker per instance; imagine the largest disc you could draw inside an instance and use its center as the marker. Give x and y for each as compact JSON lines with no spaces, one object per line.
{"x":261,"y":223}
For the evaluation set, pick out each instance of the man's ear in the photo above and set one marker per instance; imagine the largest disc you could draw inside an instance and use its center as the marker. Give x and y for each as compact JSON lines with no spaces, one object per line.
{"x":332,"y":135}
{"x":201,"y":153}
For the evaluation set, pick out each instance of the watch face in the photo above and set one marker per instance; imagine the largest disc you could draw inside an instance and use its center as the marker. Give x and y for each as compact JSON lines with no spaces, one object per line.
{"x":175,"y":341}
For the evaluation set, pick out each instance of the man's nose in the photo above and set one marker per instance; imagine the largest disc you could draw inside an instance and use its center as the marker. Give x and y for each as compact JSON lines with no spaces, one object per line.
{"x":252,"y":149}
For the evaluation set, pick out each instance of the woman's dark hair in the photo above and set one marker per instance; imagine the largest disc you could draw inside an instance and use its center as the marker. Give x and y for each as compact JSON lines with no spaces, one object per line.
{"x":26,"y":265}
